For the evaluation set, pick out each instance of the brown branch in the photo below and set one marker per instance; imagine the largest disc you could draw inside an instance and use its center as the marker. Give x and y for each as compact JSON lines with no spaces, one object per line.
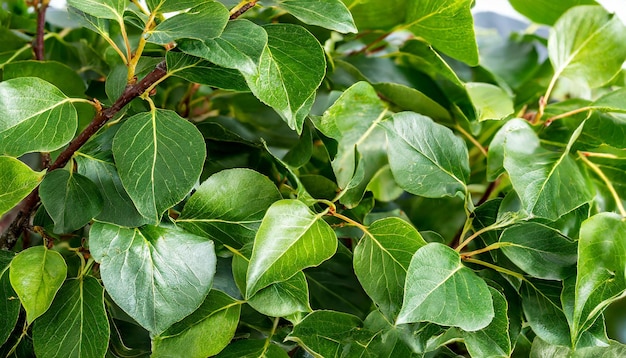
{"x":245,"y":7}
{"x":38,"y":45}
{"x":31,"y":202}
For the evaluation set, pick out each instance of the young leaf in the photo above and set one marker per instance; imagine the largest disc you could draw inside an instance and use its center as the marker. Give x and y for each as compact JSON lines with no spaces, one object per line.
{"x":539,"y":175}
{"x":36,"y":275}
{"x":331,"y":14}
{"x":35,"y":116}
{"x":76,"y":324}
{"x":229,"y":206}
{"x":601,"y":268}
{"x":155,"y":274}
{"x":324,"y":333}
{"x":291,"y":68}
{"x":430,"y":20}
{"x":540,"y":250}
{"x":493,"y":340}
{"x":587,"y":45}
{"x":290,"y":239}
{"x":213,"y":323}
{"x":9,"y":304}
{"x":17,"y":180}
{"x":159,"y":157}
{"x":381,"y":259}
{"x":491,"y":102}
{"x":204,"y":21}
{"x":441,"y":290}
{"x":107,"y":9}
{"x":550,"y":10}
{"x":426,"y":158}
{"x":70,"y":199}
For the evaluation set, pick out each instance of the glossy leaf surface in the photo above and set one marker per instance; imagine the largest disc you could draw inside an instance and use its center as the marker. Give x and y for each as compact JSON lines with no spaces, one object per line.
{"x":204,"y":21}
{"x":331,"y":14}
{"x":17,"y":180}
{"x":325,"y":332}
{"x":493,"y":340}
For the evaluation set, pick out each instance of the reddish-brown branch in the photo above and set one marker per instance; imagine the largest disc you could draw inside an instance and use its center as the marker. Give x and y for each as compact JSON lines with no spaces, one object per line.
{"x":38,"y":45}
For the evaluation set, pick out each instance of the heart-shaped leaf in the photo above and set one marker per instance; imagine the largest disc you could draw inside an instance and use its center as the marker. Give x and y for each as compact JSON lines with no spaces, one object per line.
{"x":35,"y":116}
{"x":76,"y":324}
{"x":70,"y":199}
{"x":441,"y":290}
{"x":229,"y":206}
{"x":17,"y":180}
{"x":36,"y":275}
{"x":159,"y":157}
{"x":290,"y":239}
{"x":155,"y":274}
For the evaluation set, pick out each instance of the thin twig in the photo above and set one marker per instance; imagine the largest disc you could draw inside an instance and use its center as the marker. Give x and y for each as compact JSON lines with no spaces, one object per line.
{"x":38,"y":46}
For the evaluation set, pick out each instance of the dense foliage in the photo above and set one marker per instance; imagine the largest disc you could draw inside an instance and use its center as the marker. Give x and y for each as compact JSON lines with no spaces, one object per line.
{"x":327,"y":178}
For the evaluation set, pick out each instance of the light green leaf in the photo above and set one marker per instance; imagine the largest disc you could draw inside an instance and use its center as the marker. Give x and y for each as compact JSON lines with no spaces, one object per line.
{"x":290,"y":239}
{"x":252,"y":349}
{"x":601,"y":268}
{"x":239,"y":47}
{"x":550,"y":10}
{"x":541,"y":349}
{"x":58,"y":74}
{"x":70,"y":199}
{"x":17,"y":180}
{"x":324,"y":333}
{"x":204,"y":21}
{"x":117,"y":207}
{"x":587,"y":45}
{"x":381,"y":259}
{"x":539,"y":175}
{"x":426,"y":158}
{"x":431,"y":19}
{"x":155,"y":274}
{"x":541,"y":251}
{"x":229,"y":206}
{"x":491,"y":102}
{"x":203,"y":333}
{"x":159,"y":157}
{"x":441,"y":290}
{"x":76,"y":324}
{"x":291,"y":68}
{"x":107,"y":9}
{"x":280,"y":299}
{"x":493,"y":340}
{"x":611,"y":102}
{"x":374,"y":14}
{"x":35,"y":116}
{"x":36,"y":275}
{"x":173,"y":5}
{"x":9,"y":303}
{"x":331,"y":14}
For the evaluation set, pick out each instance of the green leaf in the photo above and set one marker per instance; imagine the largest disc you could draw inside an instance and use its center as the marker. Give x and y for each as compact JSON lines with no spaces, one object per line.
{"x":431,"y":19}
{"x":374,"y":14}
{"x":173,"y":5}
{"x":540,"y":250}
{"x":194,"y":69}
{"x":491,"y":102}
{"x":587,"y":45}
{"x":381,"y":259}
{"x":611,"y":102}
{"x":204,"y":21}
{"x":601,"y":268}
{"x":439,"y":289}
{"x":157,"y":275}
{"x":229,"y":206}
{"x":331,"y":14}
{"x":239,"y":47}
{"x":252,"y":349}
{"x":493,"y":340}
{"x":107,"y":9}
{"x":411,"y":99}
{"x":290,"y":238}
{"x":76,"y":324}
{"x":213,"y":323}
{"x":36,"y":275}
{"x":58,"y":74}
{"x":9,"y":303}
{"x":159,"y":157}
{"x":541,"y":301}
{"x":426,"y":158}
{"x":353,"y":122}
{"x":549,"y":11}
{"x":324,"y":333}
{"x":291,"y":68}
{"x":117,"y":207}
{"x":17,"y":180}
{"x":35,"y":116}
{"x":70,"y":199}
{"x":541,"y":348}
{"x":539,"y":175}
{"x":280,"y":299}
